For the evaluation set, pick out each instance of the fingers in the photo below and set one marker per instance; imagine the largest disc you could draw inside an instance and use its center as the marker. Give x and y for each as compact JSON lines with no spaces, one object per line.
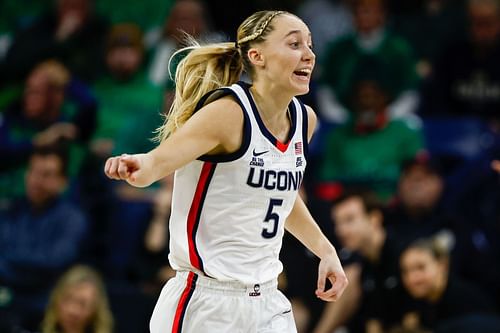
{"x":339,"y":283}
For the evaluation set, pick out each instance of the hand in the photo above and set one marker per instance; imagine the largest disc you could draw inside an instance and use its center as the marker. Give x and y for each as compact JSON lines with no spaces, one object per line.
{"x":58,"y":131}
{"x":68,"y":25}
{"x":130,"y":168}
{"x":331,"y":269}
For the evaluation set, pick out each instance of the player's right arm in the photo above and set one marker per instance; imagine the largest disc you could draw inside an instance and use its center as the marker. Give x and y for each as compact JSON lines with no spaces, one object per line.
{"x":217,"y":128}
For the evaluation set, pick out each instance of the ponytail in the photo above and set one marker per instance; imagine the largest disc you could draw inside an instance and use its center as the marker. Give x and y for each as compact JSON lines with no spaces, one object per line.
{"x":204,"y":69}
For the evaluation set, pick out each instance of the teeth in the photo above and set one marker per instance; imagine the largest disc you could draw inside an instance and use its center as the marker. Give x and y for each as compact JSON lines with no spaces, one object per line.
{"x":305,"y":70}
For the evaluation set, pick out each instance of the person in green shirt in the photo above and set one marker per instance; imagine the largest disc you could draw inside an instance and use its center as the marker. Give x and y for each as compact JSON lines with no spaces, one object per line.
{"x":369,"y":149}
{"x":127,"y":99}
{"x":372,"y":39}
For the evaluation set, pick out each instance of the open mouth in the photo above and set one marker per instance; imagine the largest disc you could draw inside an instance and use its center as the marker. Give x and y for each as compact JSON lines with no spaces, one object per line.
{"x":303,"y":74}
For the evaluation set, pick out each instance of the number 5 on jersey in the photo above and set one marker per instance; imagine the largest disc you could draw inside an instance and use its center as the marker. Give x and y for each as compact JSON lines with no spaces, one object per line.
{"x":270,"y":230}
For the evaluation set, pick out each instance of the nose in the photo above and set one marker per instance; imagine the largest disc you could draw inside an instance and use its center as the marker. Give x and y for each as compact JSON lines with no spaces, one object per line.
{"x":308,"y":54}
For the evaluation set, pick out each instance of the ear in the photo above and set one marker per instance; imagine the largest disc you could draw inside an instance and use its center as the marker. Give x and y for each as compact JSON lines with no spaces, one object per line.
{"x":256,"y":57}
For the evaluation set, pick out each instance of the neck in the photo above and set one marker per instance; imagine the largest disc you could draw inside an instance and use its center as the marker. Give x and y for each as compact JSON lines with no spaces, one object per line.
{"x":271,"y":101}
{"x":372,"y":248}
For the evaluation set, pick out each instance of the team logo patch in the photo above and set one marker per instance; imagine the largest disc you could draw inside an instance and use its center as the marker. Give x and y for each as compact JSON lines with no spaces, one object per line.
{"x":256,"y":290}
{"x":299,"y":162}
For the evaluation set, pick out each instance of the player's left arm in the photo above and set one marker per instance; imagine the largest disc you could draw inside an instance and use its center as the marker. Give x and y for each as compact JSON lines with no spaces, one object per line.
{"x":301,"y":225}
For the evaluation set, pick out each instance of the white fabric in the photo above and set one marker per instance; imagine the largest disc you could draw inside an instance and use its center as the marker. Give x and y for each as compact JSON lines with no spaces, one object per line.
{"x":229,"y":236}
{"x":223,"y":307}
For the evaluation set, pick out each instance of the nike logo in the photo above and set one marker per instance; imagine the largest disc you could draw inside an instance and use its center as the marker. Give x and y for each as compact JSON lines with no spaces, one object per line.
{"x":255,"y":154}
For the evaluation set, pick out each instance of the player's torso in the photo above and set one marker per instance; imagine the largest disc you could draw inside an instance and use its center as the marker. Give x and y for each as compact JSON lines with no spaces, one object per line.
{"x":228,"y":216}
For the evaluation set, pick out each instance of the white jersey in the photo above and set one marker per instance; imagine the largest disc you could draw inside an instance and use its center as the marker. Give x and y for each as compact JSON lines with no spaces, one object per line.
{"x":228,"y":211}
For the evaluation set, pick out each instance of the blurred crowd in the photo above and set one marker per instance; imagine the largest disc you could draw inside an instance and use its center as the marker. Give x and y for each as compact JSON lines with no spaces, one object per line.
{"x":401,"y":172}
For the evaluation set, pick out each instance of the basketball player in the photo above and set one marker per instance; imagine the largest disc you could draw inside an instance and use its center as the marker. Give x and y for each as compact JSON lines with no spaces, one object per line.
{"x":239,"y":154}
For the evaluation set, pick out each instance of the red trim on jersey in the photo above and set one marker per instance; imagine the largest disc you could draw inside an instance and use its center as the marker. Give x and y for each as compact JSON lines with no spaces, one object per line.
{"x":193,"y":218}
{"x":183,"y":302}
{"x":282,"y":147}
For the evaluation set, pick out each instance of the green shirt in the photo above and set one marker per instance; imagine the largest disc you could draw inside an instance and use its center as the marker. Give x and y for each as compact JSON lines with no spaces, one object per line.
{"x":373,"y":159}
{"x":345,"y":58}
{"x":126,"y":106}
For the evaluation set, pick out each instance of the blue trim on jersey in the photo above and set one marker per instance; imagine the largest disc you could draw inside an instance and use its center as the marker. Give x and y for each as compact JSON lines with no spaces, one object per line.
{"x":305,"y":129}
{"x":247,"y":129}
{"x":263,"y":128}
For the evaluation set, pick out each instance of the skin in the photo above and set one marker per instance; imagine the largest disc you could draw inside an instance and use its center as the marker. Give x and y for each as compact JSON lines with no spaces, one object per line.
{"x":44,"y":179}
{"x":218,"y":129}
{"x":76,"y":307}
{"x":423,"y":275}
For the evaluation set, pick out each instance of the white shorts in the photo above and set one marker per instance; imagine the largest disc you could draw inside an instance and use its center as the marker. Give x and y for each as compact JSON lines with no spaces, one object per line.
{"x":190,"y":303}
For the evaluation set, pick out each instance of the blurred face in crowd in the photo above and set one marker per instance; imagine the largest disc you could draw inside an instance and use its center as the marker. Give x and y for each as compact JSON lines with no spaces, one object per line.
{"x":421,"y":272}
{"x":420,"y":189}
{"x":76,"y":307}
{"x":352,"y":223}
{"x":187,"y":16}
{"x":485,"y":22}
{"x":42,"y":100}
{"x":368,"y":15}
{"x":124,"y":61}
{"x":44,"y":179}
{"x":79,"y":9}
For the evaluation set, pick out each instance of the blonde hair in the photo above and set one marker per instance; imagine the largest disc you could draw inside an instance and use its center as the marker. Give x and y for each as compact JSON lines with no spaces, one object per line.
{"x":212,"y":66}
{"x":102,"y":319}
{"x":57,"y":75}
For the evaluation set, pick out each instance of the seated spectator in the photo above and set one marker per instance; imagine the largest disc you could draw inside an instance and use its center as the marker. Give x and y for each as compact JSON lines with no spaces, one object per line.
{"x":78,"y":304}
{"x":418,"y":210}
{"x":373,"y":40}
{"x":186,"y":17}
{"x":469,"y":84}
{"x":358,"y":152}
{"x":125,"y":94}
{"x":373,"y":298}
{"x":441,"y":19}
{"x":70,"y":33}
{"x":426,"y":276}
{"x":53,"y":108}
{"x":40,"y":236}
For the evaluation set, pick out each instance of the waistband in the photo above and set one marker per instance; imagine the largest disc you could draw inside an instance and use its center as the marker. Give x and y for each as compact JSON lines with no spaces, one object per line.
{"x":228,"y":287}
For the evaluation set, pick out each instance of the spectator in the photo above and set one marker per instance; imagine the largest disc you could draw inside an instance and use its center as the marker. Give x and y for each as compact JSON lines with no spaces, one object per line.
{"x":125,"y":93}
{"x":71,"y":33}
{"x":78,"y":304}
{"x":53,"y":108}
{"x":371,"y":40}
{"x":357,"y":153}
{"x":441,"y":19}
{"x":186,"y":17}
{"x":373,"y":298}
{"x":40,"y":236}
{"x":425,"y":274}
{"x":418,"y":210}
{"x":469,"y":84}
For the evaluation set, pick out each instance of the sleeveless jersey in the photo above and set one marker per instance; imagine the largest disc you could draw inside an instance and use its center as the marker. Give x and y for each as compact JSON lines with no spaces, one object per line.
{"x":228,"y":211}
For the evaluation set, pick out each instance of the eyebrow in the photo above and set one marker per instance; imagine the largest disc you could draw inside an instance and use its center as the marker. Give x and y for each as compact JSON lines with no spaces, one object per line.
{"x":295,"y":32}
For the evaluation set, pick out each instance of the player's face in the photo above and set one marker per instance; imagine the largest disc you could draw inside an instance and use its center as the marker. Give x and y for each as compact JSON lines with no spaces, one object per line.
{"x":288,"y":56}
{"x":420,"y":271}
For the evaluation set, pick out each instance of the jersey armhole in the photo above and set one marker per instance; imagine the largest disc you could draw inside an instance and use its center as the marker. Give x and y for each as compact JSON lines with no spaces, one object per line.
{"x":219,"y":158}
{"x":305,"y":128}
